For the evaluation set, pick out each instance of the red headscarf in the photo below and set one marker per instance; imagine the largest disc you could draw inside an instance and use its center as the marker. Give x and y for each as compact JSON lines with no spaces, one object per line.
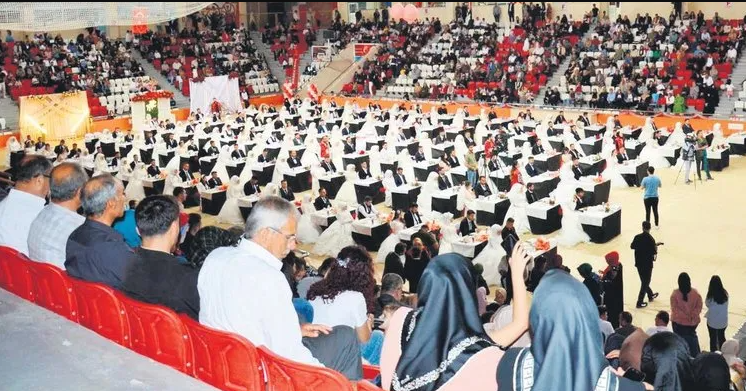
{"x":612,"y":259}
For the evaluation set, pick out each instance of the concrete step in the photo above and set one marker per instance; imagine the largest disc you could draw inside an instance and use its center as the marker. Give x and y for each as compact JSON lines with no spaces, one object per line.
{"x":179,"y":98}
{"x":10,"y":111}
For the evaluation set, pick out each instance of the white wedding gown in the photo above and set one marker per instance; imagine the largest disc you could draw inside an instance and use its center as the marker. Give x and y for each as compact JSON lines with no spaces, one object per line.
{"x":346,"y":193}
{"x":491,"y":255}
{"x":572,"y":231}
{"x":517,"y":209}
{"x":450,"y":235}
{"x":466,"y":199}
{"x":308,"y":232}
{"x":134,"y":190}
{"x":388,"y":184}
{"x":230,"y":213}
{"x":565,"y":190}
{"x":337,"y":236}
{"x":388,"y":244}
{"x":612,"y":173}
{"x":425,"y":199}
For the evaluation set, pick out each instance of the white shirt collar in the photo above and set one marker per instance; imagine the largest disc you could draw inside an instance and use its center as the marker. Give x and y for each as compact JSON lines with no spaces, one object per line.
{"x":251,"y":247}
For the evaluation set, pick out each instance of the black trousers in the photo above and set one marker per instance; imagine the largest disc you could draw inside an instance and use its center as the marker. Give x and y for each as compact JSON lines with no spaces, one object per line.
{"x":717,"y":338}
{"x":646,"y":273}
{"x":698,"y":159}
{"x":651,"y":203}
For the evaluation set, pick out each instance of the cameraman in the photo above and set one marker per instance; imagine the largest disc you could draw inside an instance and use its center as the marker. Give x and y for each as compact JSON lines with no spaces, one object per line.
{"x":688,"y":153}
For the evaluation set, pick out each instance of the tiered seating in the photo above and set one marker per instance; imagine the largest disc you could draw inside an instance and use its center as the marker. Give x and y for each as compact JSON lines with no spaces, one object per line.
{"x":223,"y":360}
{"x":655,"y":57}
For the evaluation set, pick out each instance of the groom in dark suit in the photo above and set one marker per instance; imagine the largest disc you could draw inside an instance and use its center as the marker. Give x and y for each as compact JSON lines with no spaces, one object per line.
{"x":399,"y":178}
{"x":412,"y":217}
{"x":322,"y":202}
{"x":468,"y":226}
{"x":286,"y":192}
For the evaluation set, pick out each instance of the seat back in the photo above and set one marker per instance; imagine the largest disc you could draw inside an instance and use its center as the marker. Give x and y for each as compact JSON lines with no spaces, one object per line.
{"x":365,"y":386}
{"x":157,"y":332}
{"x":14,"y":273}
{"x":100,"y":310}
{"x":53,"y":290}
{"x":287,"y":375}
{"x":370,"y":372}
{"x":224,"y":360}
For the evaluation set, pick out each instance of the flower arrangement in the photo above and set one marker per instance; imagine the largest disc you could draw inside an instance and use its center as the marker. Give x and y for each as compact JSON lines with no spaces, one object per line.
{"x":362,"y":153}
{"x":195,"y":181}
{"x":152,"y":95}
{"x":501,"y":195}
{"x":596,"y":158}
{"x":433,"y":226}
{"x":598,"y":179}
{"x":223,"y":187}
{"x":297,"y":203}
{"x":382,"y":190}
{"x":481,"y":237}
{"x":542,"y":244}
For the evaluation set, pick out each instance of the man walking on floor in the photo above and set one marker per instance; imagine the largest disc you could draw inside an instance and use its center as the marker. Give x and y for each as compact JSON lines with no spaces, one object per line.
{"x":650,"y":185}
{"x":645,"y":252}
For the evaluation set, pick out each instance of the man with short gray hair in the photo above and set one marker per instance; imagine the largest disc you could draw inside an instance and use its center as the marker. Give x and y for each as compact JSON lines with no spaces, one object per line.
{"x":47,"y":240}
{"x":24,"y":202}
{"x":243,"y":291}
{"x":95,"y":251}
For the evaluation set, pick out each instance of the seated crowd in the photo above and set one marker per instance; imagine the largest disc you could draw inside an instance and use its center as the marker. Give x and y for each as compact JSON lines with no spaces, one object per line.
{"x":653,"y":63}
{"x":337,"y":316}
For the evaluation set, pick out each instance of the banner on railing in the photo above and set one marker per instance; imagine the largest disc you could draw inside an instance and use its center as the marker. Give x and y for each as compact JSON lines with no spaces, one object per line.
{"x":313,"y":92}
{"x":361,"y":49}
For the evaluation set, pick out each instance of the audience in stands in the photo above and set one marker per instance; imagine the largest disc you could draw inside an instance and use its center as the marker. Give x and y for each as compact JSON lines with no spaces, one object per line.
{"x":24,"y":202}
{"x":47,"y":238}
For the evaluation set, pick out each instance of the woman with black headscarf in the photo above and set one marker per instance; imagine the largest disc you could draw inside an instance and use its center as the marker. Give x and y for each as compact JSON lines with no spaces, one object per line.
{"x":566,"y":349}
{"x":442,"y":345}
{"x":711,"y":373}
{"x":666,"y":363}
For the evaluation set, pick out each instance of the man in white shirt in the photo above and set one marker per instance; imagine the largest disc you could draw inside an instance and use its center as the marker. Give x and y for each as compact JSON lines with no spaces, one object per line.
{"x":243,"y":291}
{"x":24,"y":202}
{"x":606,"y":328}
{"x":47,"y":239}
{"x":661,"y":324}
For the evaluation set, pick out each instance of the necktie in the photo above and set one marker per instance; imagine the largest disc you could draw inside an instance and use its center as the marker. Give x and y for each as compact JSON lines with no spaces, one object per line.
{"x":415,"y":218}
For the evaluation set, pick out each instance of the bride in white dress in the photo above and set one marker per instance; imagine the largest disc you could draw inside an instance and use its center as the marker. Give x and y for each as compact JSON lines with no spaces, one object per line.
{"x":491,"y":255}
{"x":230,"y":213}
{"x":337,"y":236}
{"x":308,"y":232}
{"x":430,"y":187}
{"x":572,"y":231}
{"x":565,"y":190}
{"x":173,"y":180}
{"x":388,"y":184}
{"x":517,"y":209}
{"x":346,"y":193}
{"x":392,"y":240}
{"x":652,"y":151}
{"x":99,"y":165}
{"x":612,"y":173}
{"x":449,"y":230}
{"x":466,"y":199}
{"x":134,"y":190}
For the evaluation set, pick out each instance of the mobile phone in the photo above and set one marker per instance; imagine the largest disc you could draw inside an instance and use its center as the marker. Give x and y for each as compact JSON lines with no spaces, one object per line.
{"x":508,"y":244}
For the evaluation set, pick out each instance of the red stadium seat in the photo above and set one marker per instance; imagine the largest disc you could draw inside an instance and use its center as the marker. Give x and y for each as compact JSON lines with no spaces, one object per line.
{"x":53,"y":290}
{"x":365,"y":386}
{"x":286,"y":375}
{"x":370,"y":372}
{"x":223,"y":360}
{"x":157,"y":332}
{"x":14,"y":273}
{"x":100,"y":310}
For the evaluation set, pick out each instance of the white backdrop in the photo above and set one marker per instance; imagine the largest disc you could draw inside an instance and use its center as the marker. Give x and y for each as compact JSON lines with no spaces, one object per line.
{"x":222,"y":88}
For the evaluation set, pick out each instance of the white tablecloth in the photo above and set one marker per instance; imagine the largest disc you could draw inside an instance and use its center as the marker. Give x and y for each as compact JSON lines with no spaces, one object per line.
{"x":366,"y":182}
{"x":446,"y":194}
{"x":406,"y":234}
{"x":247,"y":201}
{"x":403,"y":189}
{"x":321,"y":217}
{"x":669,"y":150}
{"x":595,"y":215}
{"x":366,"y":226}
{"x":539,"y":209}
{"x":590,"y":141}
{"x":207,"y":194}
{"x":466,"y":248}
{"x":737,"y":138}
{"x":488,"y":204}
{"x":543,"y":177}
{"x":296,"y":171}
{"x":716,"y":154}
{"x":588,"y":184}
{"x":426,"y":165}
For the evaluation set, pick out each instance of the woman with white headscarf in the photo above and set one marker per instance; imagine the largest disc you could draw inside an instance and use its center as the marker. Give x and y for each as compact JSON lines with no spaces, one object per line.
{"x":173,"y":180}
{"x":458,"y":118}
{"x":134,"y":189}
{"x":308,"y":231}
{"x":430,"y":187}
{"x":346,"y":193}
{"x":388,"y":184}
{"x":517,"y":209}
{"x":337,"y":236}
{"x":466,"y":199}
{"x":388,"y":244}
{"x":449,"y":232}
{"x":230,"y":213}
{"x":99,"y":165}
{"x":491,"y":255}
{"x":677,"y":136}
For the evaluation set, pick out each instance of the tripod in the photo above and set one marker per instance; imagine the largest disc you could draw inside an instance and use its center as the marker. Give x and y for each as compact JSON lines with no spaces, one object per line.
{"x":679,"y":174}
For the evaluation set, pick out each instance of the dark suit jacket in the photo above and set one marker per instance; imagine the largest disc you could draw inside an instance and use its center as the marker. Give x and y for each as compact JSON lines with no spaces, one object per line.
{"x":184,"y":176}
{"x":575,"y":135}
{"x":214,"y":182}
{"x":584,"y":120}
{"x":409,"y":219}
{"x":580,"y":204}
{"x":262,"y":159}
{"x":394,"y":265}
{"x":149,"y":140}
{"x":482,"y":192}
{"x":443,"y":183}
{"x":492,"y":166}
{"x":575,"y":154}
{"x":530,"y":197}
{"x":645,"y":250}
{"x":465,"y":229}
{"x":364,"y":174}
{"x":329,"y":167}
{"x":577,"y":172}
{"x":470,"y":141}
{"x":238,"y":154}
{"x":320,"y":203}
{"x":212,"y":151}
{"x":153,"y":170}
{"x":531,"y":170}
{"x":349,"y":148}
{"x":560,"y":119}
{"x":293,"y":162}
{"x":509,"y":231}
{"x":399,"y":180}
{"x":172,"y":143}
{"x":288,"y":195}
{"x":621,"y":158}
{"x":249,"y":189}
{"x":418,"y":157}
{"x":537,"y":149}
{"x":453,"y":161}
{"x":687,"y":129}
